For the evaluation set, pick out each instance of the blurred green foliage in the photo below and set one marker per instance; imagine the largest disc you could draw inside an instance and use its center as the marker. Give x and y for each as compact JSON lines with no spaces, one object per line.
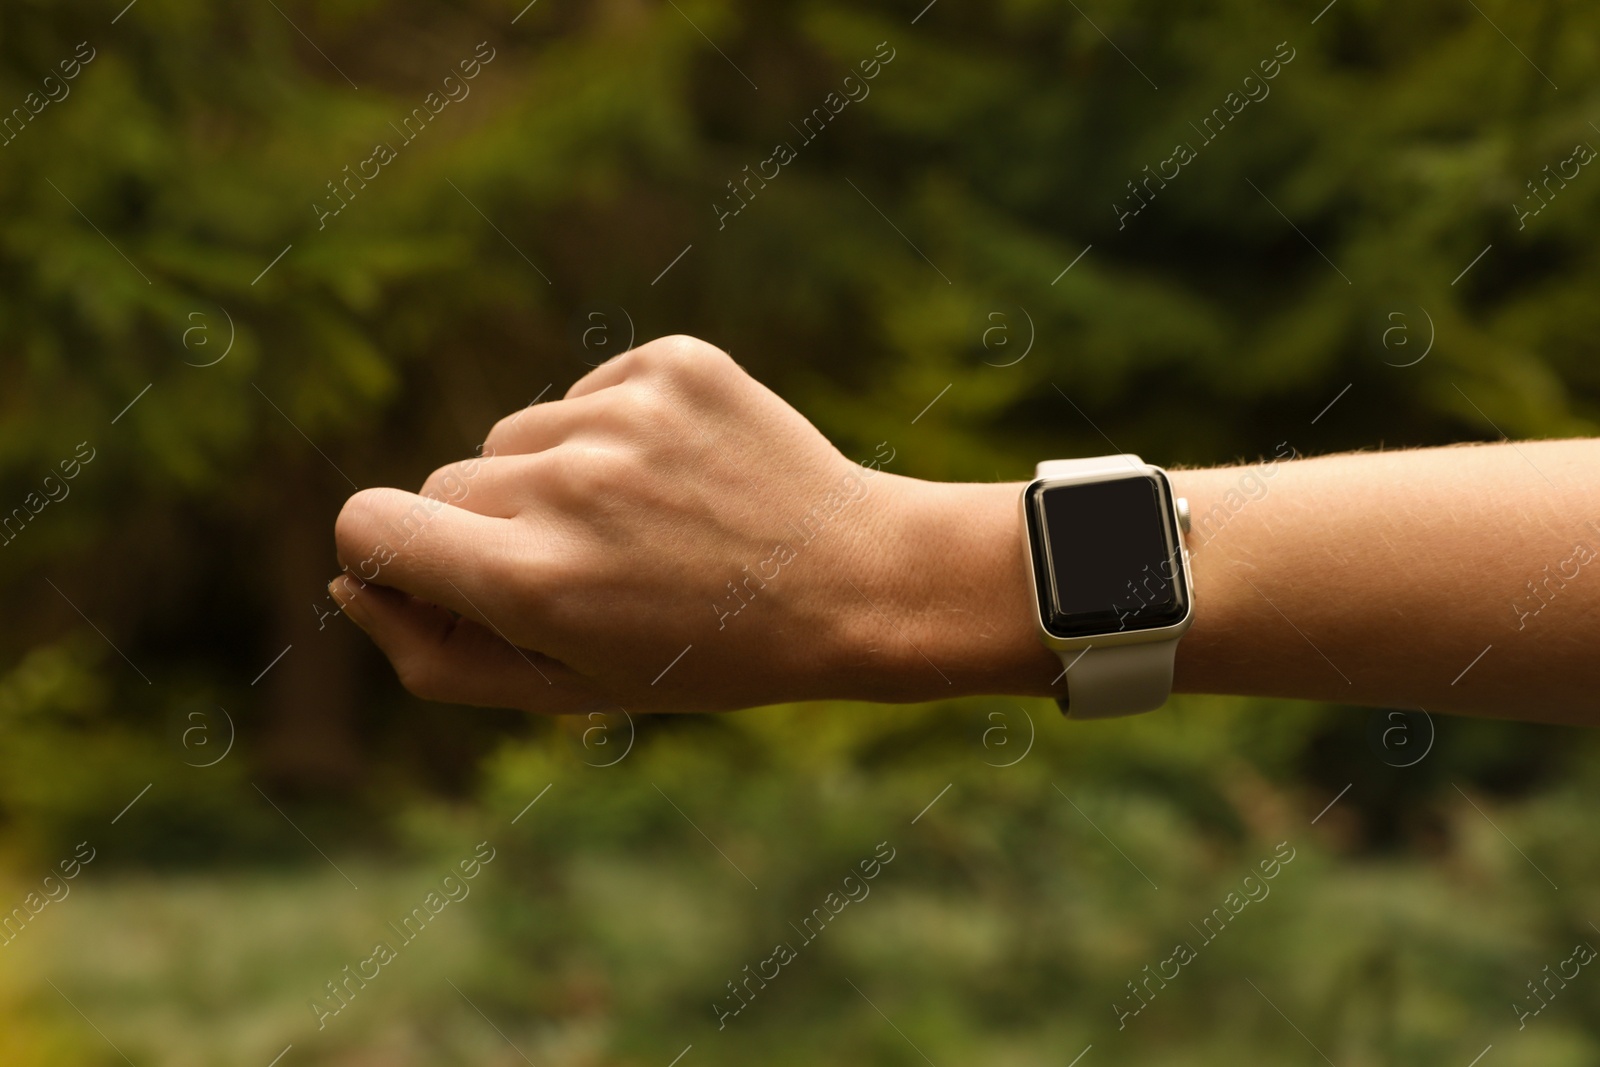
{"x":920,"y":241}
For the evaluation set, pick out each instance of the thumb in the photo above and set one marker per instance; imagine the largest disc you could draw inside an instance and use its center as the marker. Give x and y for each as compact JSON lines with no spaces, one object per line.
{"x":443,"y":657}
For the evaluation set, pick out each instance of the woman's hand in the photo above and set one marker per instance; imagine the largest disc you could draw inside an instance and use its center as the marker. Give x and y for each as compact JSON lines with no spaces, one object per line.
{"x":671,"y":536}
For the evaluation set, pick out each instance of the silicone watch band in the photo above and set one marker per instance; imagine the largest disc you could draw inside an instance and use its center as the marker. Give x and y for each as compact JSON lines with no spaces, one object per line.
{"x":1112,"y":680}
{"x":1119,"y":680}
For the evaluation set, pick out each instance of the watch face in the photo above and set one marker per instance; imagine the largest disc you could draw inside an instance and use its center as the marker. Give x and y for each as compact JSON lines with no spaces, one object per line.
{"x":1106,"y":556}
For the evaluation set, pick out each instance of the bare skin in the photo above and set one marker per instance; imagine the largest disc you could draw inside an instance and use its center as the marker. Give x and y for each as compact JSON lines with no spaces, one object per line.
{"x":672,"y":536}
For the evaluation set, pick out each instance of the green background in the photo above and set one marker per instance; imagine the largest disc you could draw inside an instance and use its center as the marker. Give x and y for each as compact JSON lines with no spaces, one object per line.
{"x":911,"y":254}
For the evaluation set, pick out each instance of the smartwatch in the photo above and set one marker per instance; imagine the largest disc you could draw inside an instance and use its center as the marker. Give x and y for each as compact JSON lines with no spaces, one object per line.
{"x":1110,"y":580}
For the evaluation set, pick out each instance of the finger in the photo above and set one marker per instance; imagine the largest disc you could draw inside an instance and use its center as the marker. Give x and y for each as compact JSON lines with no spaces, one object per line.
{"x":439,"y":656}
{"x":660,"y":354}
{"x":538,"y":427}
{"x":443,"y":554}
{"x":613,"y":371}
{"x":487,"y":485}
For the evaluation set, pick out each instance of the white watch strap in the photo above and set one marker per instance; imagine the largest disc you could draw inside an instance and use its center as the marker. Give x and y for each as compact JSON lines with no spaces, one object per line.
{"x":1106,"y":681}
{"x":1112,"y":680}
{"x":1056,"y":468}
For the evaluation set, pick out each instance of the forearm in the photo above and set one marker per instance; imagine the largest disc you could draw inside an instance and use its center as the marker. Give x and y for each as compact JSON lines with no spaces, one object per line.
{"x":1381,"y":578}
{"x":1375,"y":578}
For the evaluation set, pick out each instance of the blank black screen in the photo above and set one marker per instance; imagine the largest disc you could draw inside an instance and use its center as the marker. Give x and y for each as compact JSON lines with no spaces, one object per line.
{"x":1110,"y":558}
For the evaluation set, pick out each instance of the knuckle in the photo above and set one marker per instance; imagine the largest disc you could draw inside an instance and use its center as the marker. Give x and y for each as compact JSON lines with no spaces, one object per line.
{"x":448,"y":483}
{"x":500,"y":433}
{"x":599,"y":468}
{"x":609,"y":471}
{"x":679,"y":355}
{"x":358,"y":519}
{"x":556,"y":474}
{"x":585,"y":472}
{"x":630,"y":407}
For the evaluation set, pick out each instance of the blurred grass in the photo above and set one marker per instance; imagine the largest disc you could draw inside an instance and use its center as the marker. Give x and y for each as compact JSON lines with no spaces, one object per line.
{"x":1001,"y":933}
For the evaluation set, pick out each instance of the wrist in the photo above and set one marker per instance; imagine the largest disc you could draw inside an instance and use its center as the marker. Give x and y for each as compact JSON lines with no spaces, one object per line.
{"x":944,"y":610}
{"x":949,"y":612}
{"x":1212,"y":655}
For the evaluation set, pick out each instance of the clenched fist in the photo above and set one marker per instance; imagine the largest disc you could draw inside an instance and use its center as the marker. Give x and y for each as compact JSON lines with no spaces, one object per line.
{"x":672,"y":536}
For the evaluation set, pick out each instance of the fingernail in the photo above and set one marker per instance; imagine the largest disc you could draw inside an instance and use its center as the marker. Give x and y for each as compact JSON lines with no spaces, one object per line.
{"x":348,"y":596}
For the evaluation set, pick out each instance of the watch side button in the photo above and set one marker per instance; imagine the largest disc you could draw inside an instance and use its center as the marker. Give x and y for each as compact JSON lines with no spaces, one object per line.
{"x":1183,"y":513}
